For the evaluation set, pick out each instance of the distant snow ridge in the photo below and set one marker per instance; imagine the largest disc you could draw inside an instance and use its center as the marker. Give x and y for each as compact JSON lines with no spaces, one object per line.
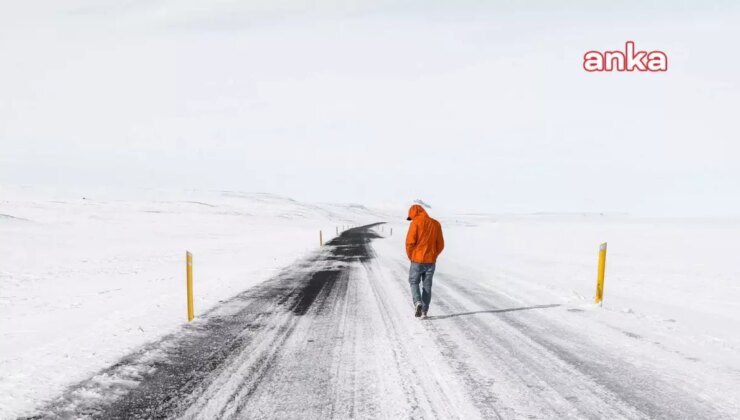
{"x":13,"y":218}
{"x":422,"y":203}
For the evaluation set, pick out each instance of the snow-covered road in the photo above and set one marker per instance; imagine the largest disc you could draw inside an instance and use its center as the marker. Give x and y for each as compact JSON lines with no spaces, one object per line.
{"x":335,"y":337}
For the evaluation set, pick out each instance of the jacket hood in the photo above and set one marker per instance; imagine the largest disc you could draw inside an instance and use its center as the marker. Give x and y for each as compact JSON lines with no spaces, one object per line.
{"x":416,"y":210}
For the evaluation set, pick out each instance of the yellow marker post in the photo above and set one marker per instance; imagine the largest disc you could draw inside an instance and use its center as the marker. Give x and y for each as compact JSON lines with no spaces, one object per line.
{"x":600,"y":278}
{"x":321,"y":239}
{"x":189,"y":259}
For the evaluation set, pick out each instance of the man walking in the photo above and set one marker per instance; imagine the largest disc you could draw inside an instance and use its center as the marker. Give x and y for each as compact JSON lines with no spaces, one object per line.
{"x":424,"y":243}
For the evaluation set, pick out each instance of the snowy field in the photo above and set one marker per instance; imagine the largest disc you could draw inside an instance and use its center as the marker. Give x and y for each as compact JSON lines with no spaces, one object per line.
{"x":85,"y":281}
{"x":669,"y":277}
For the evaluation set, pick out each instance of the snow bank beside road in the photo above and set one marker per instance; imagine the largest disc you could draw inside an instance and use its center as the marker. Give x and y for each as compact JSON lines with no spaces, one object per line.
{"x":675,"y":269}
{"x":85,"y":281}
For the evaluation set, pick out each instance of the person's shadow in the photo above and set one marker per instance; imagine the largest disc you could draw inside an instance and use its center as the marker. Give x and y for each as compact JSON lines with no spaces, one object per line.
{"x":493,"y":311}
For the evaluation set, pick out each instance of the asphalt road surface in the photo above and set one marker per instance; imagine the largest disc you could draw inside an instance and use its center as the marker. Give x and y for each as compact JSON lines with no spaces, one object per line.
{"x":335,"y":337}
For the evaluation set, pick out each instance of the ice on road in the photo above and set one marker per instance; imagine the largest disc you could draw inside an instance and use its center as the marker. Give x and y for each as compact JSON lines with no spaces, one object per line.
{"x":335,"y":337}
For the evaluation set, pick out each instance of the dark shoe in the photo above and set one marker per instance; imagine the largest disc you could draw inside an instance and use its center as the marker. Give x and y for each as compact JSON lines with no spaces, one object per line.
{"x":418,"y":310}
{"x":424,"y":315}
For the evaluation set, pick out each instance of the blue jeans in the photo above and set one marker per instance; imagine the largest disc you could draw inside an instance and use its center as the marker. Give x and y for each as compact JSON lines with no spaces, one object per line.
{"x":421,"y":273}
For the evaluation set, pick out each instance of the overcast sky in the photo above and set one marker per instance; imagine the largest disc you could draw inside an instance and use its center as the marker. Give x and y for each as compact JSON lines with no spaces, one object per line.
{"x":469,"y":106}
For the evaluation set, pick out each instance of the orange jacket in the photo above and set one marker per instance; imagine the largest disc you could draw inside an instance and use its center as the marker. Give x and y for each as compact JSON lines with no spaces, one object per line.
{"x":424,"y":241}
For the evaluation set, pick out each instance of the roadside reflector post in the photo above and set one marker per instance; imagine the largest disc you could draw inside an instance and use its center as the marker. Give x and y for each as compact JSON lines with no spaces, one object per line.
{"x":600,"y":278}
{"x":321,"y":238}
{"x":189,"y":260}
{"x":391,"y":231}
{"x":337,"y":230}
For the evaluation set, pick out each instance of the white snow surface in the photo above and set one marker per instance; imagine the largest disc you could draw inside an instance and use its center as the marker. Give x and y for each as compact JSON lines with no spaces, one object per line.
{"x":84,"y":282}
